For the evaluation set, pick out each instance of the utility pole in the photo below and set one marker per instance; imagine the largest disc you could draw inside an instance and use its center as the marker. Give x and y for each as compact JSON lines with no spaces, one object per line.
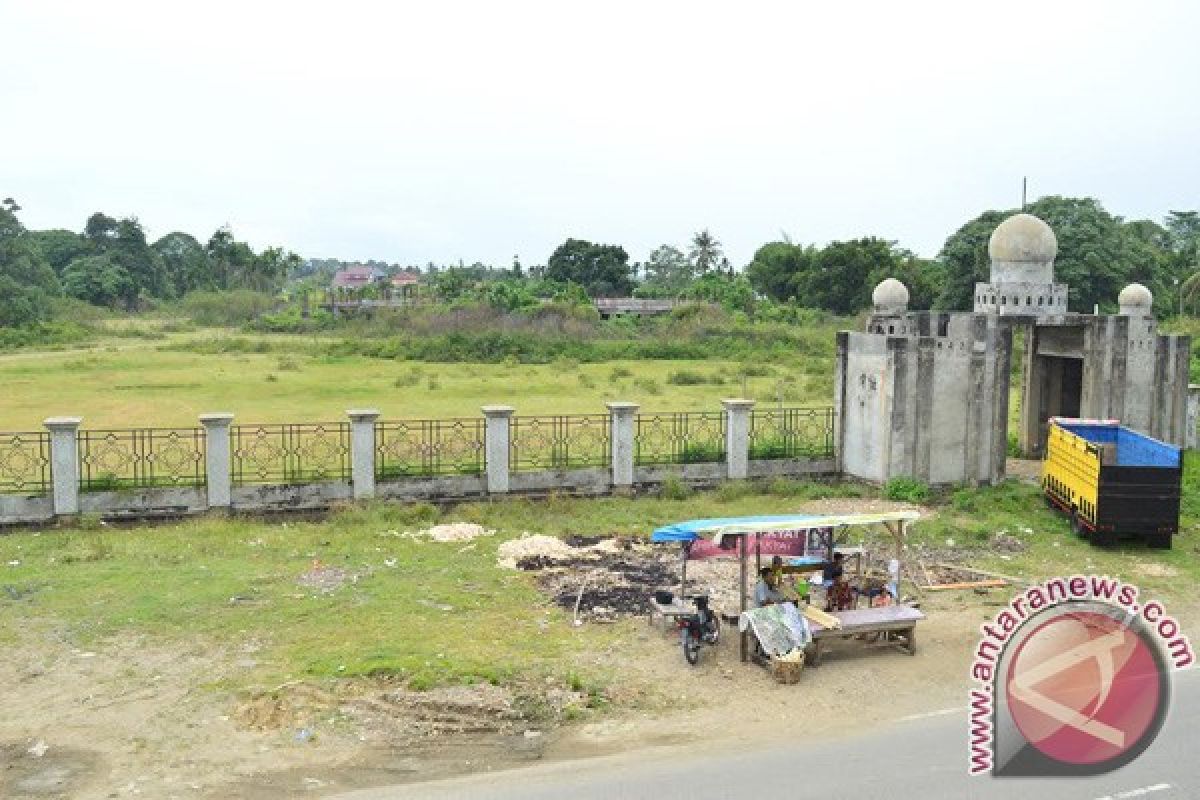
{"x":1024,"y":186}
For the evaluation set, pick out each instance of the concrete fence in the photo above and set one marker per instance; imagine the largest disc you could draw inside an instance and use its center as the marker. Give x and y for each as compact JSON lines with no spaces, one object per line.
{"x":65,"y":469}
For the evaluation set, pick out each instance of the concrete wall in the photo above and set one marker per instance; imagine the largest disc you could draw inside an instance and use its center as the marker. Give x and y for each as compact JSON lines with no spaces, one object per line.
{"x":1131,"y":373}
{"x":932,"y":407}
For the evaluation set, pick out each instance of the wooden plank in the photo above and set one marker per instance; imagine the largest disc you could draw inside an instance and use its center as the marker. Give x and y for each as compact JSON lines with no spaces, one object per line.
{"x":985,"y":573}
{"x":990,"y":583}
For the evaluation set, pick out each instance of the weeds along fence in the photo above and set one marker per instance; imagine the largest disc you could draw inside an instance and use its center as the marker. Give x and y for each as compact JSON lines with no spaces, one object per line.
{"x":65,"y":468}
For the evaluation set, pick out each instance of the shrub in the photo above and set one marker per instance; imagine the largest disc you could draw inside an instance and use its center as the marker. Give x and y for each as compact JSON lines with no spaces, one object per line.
{"x":226,"y":309}
{"x":732,"y":491}
{"x":673,"y":488}
{"x":648,"y":385}
{"x":685,"y":377}
{"x":272,"y":377}
{"x":620,"y":372}
{"x":906,"y":490}
{"x":1014,"y":446}
{"x":287,"y":364}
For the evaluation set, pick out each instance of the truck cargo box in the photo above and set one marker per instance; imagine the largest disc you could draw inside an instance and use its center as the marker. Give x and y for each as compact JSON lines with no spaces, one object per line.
{"x":1113,"y":481}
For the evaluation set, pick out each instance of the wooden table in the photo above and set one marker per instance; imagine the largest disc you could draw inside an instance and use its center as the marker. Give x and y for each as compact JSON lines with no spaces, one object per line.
{"x":898,"y":621}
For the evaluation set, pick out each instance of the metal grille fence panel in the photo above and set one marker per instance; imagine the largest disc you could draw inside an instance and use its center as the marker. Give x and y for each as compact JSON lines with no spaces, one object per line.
{"x":687,"y":437}
{"x":792,"y":433}
{"x":300,"y":453}
{"x":141,"y":458}
{"x":560,"y":442}
{"x":427,"y":447}
{"x":25,"y":463}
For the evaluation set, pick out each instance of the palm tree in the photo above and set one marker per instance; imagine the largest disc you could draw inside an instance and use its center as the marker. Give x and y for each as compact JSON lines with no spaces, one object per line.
{"x":1189,"y":291}
{"x":705,"y":252}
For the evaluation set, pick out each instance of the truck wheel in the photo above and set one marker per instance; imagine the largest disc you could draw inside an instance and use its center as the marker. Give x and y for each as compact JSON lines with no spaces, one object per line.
{"x":1159,"y":541}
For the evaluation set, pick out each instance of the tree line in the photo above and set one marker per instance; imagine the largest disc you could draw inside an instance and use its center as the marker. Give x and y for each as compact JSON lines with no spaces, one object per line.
{"x":112,"y":264}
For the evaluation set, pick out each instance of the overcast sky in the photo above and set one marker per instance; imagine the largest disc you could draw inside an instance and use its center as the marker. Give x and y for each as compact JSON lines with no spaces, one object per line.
{"x":412,"y":132}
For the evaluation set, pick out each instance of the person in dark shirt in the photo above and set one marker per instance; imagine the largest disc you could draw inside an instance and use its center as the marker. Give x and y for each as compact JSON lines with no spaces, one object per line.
{"x":834,"y":570}
{"x":832,"y":578}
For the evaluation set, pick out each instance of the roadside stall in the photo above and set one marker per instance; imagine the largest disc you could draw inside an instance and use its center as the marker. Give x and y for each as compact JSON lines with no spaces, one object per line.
{"x":806,"y":544}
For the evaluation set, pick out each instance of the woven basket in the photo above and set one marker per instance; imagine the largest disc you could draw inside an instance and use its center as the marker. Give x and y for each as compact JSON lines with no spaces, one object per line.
{"x":787,"y":670}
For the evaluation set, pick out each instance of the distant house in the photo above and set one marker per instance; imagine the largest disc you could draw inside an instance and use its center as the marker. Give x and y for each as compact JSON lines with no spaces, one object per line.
{"x":403,"y":280}
{"x":357,"y":277}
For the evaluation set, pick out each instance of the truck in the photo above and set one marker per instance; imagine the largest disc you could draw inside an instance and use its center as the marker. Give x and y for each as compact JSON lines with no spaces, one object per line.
{"x":1112,"y":481}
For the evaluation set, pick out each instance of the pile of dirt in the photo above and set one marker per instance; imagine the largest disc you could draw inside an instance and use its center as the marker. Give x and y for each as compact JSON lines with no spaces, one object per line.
{"x":534,"y":546}
{"x":451,"y":532}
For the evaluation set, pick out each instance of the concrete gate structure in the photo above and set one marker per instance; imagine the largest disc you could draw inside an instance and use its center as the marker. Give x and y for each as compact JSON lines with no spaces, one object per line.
{"x":926,"y":394}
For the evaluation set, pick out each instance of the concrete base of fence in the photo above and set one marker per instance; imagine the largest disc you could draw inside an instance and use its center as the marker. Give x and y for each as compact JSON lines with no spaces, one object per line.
{"x":792,"y":468}
{"x":292,"y":497}
{"x":17,"y":510}
{"x":594,"y":481}
{"x":446,"y":487}
{"x":145,"y":501}
{"x":585,"y":481}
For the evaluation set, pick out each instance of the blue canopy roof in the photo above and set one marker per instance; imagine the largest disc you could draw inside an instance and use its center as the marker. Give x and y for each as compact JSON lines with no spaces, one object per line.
{"x":692,"y":529}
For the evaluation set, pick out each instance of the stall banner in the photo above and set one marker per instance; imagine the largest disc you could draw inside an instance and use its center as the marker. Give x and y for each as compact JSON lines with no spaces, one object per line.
{"x":789,"y":544}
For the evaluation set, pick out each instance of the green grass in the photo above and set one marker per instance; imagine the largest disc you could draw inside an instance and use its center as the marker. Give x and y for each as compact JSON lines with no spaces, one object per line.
{"x":135,"y":383}
{"x":227,"y":581}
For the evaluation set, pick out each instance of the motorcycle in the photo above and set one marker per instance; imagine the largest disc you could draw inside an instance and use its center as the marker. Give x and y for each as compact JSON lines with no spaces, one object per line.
{"x":697,"y":629}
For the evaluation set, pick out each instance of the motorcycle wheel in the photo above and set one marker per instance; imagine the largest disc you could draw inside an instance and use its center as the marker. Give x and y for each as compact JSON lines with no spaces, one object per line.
{"x":691,"y":647}
{"x":716,"y":630}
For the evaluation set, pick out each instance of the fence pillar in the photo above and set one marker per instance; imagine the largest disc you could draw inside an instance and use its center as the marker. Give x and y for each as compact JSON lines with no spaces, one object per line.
{"x":623,"y":445}
{"x":64,"y":463}
{"x":1192,"y":418}
{"x":217,"y":471}
{"x":495,"y":447}
{"x":362,"y":451}
{"x":737,"y":437}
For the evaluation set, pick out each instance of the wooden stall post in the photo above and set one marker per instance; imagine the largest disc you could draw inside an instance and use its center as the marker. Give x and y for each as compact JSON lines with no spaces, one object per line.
{"x":683,"y":548}
{"x":742,"y":579}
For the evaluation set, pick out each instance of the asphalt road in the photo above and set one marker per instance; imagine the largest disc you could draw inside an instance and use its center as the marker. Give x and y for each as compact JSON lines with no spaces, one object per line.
{"x":921,"y":758}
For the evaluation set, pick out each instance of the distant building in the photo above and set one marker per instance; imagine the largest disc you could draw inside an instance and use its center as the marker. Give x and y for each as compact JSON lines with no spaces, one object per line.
{"x":357,"y":277}
{"x":403,"y":280}
{"x":635,"y":306}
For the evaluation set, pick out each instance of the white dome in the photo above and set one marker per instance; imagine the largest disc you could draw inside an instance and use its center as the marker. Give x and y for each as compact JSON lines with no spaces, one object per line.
{"x":1135,"y":299}
{"x":1023,"y":238}
{"x":890,"y":295}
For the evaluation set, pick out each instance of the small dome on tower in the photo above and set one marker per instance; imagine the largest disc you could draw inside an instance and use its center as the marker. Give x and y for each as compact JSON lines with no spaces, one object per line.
{"x":1023,"y":238}
{"x":890,"y":295}
{"x":1135,"y":300}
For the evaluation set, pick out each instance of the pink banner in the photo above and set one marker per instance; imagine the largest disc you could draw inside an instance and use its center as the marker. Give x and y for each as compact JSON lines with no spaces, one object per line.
{"x":789,"y":544}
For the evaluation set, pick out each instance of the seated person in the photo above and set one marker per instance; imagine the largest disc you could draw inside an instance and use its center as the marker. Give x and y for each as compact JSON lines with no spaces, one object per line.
{"x":830,"y":575}
{"x":834,"y":570}
{"x":840,"y":596}
{"x":882,"y":598}
{"x":767,"y":591}
{"x":785,"y":582}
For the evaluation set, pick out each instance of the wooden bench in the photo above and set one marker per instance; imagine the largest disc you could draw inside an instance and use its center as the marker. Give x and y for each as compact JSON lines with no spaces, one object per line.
{"x":898,"y":624}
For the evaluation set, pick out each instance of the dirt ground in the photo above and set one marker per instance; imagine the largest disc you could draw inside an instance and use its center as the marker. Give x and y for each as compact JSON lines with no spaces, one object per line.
{"x":136,"y":718}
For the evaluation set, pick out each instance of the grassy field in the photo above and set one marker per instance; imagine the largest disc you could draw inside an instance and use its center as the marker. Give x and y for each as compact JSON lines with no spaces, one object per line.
{"x":131,"y":382}
{"x":234,"y":580}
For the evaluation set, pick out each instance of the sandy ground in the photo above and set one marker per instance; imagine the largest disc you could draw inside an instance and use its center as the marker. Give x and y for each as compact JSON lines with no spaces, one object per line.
{"x":135,"y":719}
